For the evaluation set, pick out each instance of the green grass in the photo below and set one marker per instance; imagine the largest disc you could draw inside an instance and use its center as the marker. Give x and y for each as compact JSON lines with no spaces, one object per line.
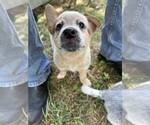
{"x":66,"y":104}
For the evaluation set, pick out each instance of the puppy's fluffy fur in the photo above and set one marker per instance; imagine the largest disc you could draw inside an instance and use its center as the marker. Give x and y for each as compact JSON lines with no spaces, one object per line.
{"x":73,"y":53}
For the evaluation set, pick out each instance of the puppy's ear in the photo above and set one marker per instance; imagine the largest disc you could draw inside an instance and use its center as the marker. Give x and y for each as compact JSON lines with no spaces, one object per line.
{"x":93,"y":22}
{"x":51,"y":15}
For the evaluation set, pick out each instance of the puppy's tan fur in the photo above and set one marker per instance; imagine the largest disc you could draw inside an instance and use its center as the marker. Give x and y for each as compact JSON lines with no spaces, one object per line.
{"x":79,"y":60}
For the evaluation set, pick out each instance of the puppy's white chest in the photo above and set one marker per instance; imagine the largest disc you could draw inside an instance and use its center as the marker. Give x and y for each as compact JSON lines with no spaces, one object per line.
{"x":68,"y":64}
{"x":72,"y":62}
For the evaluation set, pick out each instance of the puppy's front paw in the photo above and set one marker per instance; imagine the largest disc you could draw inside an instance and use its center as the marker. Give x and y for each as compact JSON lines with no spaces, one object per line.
{"x":87,"y":82}
{"x":61,"y":75}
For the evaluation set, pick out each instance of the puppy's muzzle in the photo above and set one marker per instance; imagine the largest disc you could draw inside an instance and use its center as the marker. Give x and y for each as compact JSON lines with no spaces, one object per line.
{"x":70,"y":40}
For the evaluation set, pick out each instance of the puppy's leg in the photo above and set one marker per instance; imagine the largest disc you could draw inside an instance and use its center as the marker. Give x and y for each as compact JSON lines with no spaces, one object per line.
{"x":61,"y":75}
{"x":83,"y":77}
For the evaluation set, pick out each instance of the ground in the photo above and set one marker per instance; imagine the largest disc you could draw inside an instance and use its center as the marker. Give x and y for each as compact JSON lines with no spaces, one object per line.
{"x":67,"y":105}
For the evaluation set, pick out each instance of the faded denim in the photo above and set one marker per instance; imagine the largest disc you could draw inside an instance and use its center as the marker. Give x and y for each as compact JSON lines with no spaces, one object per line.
{"x":111,"y":39}
{"x":16,"y":65}
{"x":136,"y":31}
{"x":13,"y":59}
{"x":39,"y":64}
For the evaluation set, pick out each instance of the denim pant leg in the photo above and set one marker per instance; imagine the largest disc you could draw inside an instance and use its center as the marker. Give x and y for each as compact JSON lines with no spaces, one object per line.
{"x":136,"y":40}
{"x":39,"y":64}
{"x":111,"y":40}
{"x":136,"y":31}
{"x":13,"y":60}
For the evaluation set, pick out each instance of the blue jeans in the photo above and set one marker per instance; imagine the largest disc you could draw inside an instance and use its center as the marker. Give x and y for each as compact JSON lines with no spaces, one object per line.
{"x":111,"y":40}
{"x":39,"y":64}
{"x":136,"y":31}
{"x":16,"y":65}
{"x":136,"y":39}
{"x":13,"y":59}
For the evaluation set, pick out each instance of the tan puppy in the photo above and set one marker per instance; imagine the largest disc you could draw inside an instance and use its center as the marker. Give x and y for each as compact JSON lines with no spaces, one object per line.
{"x":71,"y":32}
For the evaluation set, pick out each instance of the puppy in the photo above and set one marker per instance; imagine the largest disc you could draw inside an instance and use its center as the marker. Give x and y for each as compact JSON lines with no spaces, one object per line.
{"x":70,"y":39}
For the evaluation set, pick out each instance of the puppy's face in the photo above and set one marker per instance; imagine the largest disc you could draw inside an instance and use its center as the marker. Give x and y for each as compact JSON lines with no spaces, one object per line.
{"x":71,"y":30}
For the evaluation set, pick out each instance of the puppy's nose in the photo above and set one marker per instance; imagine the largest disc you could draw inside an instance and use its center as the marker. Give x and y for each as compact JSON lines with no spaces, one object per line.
{"x":70,"y":33}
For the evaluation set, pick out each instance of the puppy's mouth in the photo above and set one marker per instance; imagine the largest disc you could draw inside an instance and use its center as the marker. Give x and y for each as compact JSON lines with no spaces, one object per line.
{"x":70,"y":40}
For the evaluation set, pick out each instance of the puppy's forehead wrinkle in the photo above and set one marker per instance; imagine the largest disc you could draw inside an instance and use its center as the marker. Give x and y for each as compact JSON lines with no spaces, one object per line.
{"x":71,"y":16}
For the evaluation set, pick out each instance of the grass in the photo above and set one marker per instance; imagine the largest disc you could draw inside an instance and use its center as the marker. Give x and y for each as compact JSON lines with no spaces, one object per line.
{"x":66,"y":104}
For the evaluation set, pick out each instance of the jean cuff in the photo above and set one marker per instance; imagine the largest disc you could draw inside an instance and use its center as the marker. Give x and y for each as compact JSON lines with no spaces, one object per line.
{"x":38,"y":79}
{"x":15,"y":80}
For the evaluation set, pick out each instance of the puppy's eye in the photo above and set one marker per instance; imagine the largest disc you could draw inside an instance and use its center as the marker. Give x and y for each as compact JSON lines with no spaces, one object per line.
{"x":81,"y":25}
{"x":59,"y":26}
